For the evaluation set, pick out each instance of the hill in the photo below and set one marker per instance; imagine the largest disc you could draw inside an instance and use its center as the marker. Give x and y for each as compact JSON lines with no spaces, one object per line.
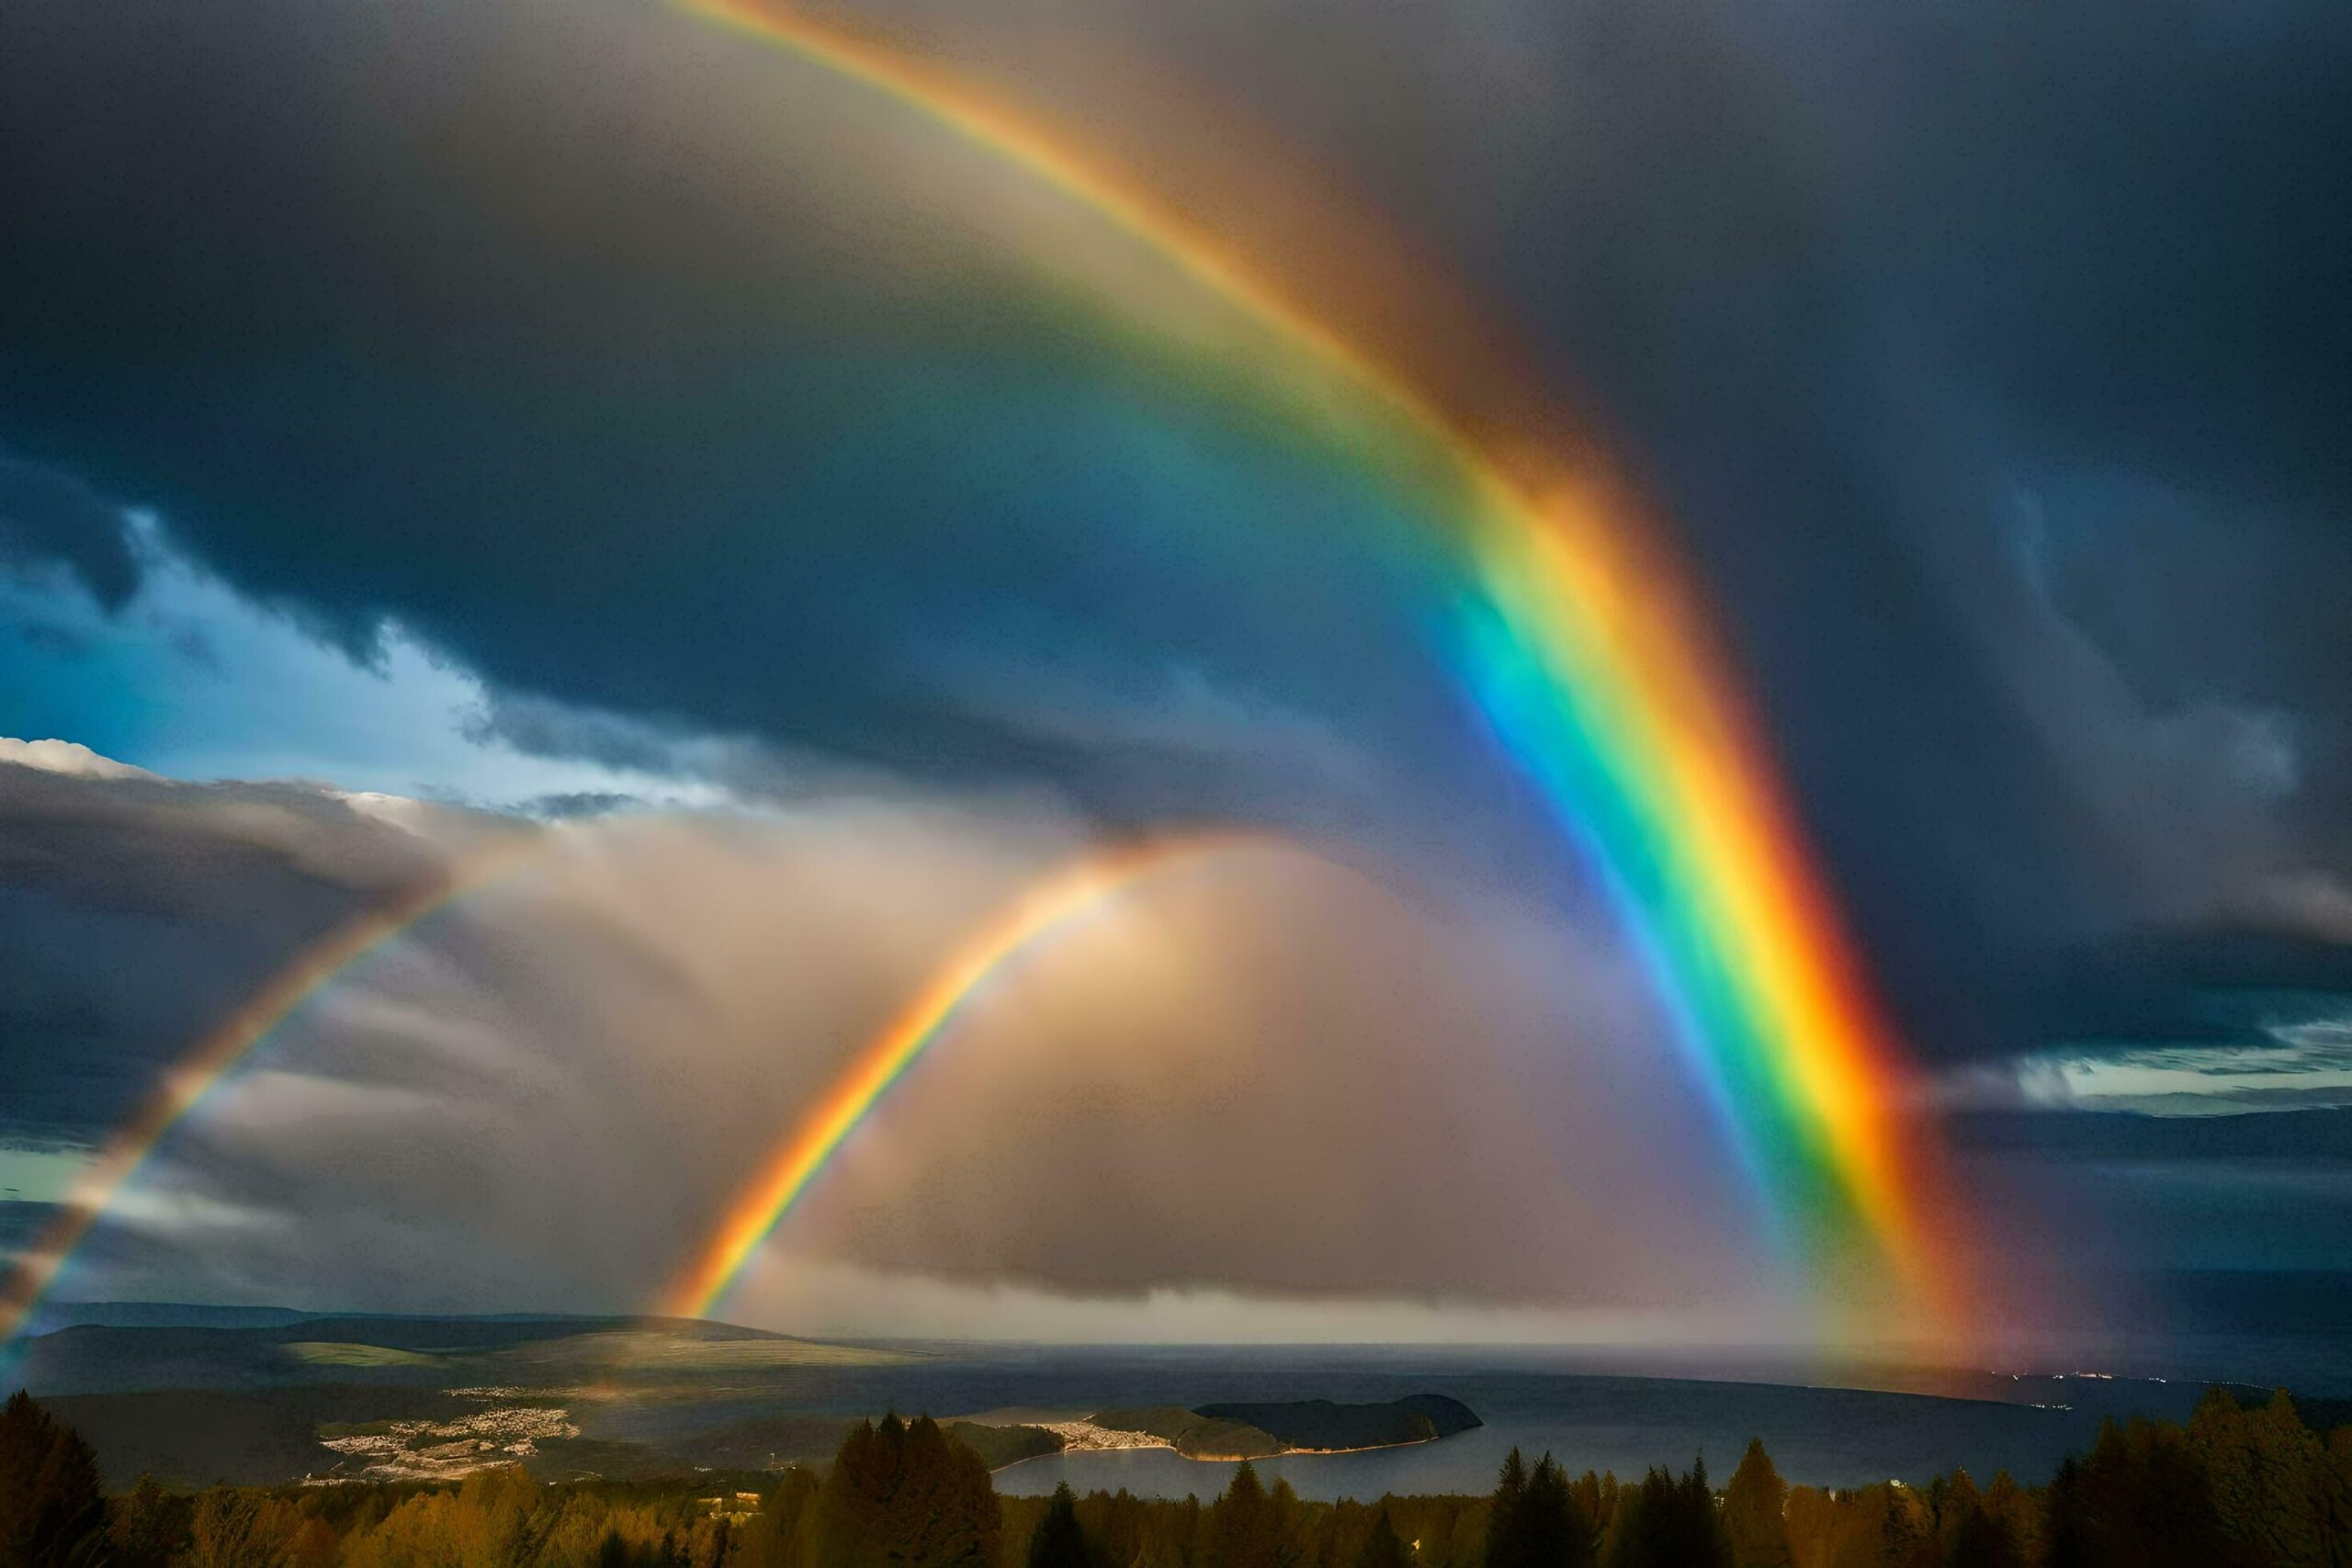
{"x":1192,"y":1433}
{"x":1312,"y":1424}
{"x":417,"y":1353}
{"x":51,"y":1317}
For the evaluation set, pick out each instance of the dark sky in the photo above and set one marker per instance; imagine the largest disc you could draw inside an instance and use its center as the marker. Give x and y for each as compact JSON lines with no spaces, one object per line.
{"x":1989,"y":365}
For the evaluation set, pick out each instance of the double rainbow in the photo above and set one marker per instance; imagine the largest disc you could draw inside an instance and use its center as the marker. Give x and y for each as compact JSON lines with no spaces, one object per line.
{"x":1591,"y":666}
{"x":1588,"y":659}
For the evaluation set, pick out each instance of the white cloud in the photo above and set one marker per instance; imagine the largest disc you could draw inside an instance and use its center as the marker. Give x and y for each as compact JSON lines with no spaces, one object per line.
{"x":2303,"y":1063}
{"x":69,"y":758}
{"x":198,"y":681}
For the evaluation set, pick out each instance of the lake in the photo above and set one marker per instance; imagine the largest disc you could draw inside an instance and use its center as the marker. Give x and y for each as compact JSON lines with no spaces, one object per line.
{"x":1824,"y":1426}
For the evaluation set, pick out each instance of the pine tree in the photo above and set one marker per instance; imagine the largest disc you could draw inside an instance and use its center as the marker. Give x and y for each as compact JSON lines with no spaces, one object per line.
{"x":903,"y":1495}
{"x":1243,"y":1531}
{"x":1907,"y":1536}
{"x":1294,"y":1526}
{"x":1955,"y":1501}
{"x":2017,"y":1513}
{"x":49,"y":1508}
{"x":1980,"y":1541}
{"x":1383,"y":1548}
{"x":1060,"y":1540}
{"x":2141,"y":1500}
{"x":1669,"y":1522}
{"x":1504,"y":1517}
{"x":1505,"y":1547}
{"x":1555,"y":1531}
{"x":1754,"y":1508}
{"x":2066,"y":1529}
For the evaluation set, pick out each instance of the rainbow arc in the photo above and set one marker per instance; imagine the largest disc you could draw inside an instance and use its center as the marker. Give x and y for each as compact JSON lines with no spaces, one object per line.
{"x":1591,"y":664}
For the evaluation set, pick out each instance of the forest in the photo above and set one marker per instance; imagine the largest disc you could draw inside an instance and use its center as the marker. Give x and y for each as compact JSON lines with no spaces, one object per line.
{"x":2237,"y":1487}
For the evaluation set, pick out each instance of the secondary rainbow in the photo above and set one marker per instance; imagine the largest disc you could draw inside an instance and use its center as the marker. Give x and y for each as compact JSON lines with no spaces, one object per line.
{"x":1593,"y":668}
{"x":217,"y":1054}
{"x":1045,"y":907}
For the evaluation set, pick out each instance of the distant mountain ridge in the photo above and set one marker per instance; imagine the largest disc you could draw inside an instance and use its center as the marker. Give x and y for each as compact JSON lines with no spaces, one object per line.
{"x":51,"y":1317}
{"x":289,"y":1349}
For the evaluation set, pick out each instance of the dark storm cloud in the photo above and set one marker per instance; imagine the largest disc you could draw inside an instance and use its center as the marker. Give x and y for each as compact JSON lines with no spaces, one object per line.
{"x":137,"y":911}
{"x":576,"y":340}
{"x":1899,"y":274}
{"x":49,"y":519}
{"x":1991,"y":360}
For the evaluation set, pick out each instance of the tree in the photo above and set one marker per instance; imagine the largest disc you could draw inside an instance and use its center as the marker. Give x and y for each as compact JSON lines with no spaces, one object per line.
{"x":2017,"y":1513}
{"x":1906,"y":1533}
{"x":1982,"y":1540}
{"x":1536,"y":1520}
{"x":2336,"y":1495}
{"x":234,"y":1528}
{"x":314,"y":1545}
{"x":1954,"y":1500}
{"x":1555,"y":1527}
{"x":771,"y":1537}
{"x":2265,"y":1470}
{"x":50,"y":1509}
{"x":1505,"y":1547}
{"x":1060,"y":1540}
{"x":1243,"y":1529}
{"x":1294,"y":1532}
{"x":1755,"y":1511}
{"x":904,"y":1495}
{"x":145,"y":1526}
{"x":1384,"y":1547}
{"x":1812,"y":1518}
{"x":1669,"y":1523}
{"x":2142,"y":1500}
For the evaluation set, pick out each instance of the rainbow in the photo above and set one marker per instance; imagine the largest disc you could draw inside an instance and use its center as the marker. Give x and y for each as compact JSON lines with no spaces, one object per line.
{"x":1047,"y":907}
{"x":213,"y":1057}
{"x":1594,"y":669}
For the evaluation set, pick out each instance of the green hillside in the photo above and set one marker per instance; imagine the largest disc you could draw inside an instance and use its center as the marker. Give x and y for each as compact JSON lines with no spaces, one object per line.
{"x":1191,"y":1434}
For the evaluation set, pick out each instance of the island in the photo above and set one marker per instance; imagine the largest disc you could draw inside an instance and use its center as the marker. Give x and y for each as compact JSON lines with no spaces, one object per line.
{"x":1263,"y":1428}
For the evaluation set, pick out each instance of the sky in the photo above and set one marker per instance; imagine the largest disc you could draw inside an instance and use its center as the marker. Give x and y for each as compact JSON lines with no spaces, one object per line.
{"x":432,"y":423}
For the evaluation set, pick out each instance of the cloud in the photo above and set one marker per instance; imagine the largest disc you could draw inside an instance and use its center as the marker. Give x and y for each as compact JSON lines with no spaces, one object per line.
{"x":547,"y":1091}
{"x":48,"y":518}
{"x":68,"y":757}
{"x":1990,"y":364}
{"x":137,"y":909}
